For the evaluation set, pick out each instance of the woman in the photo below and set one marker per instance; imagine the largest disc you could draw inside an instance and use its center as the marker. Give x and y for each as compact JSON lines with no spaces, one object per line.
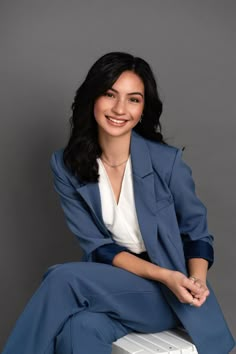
{"x":130,"y":200}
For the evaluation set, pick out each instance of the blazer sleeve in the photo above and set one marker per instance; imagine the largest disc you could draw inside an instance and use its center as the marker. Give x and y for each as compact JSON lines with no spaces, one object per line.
{"x":191,"y":213}
{"x":106,"y":253}
{"x":96,"y":245}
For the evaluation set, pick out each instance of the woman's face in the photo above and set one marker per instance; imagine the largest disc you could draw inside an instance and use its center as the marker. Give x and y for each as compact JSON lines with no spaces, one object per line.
{"x":120,"y":108}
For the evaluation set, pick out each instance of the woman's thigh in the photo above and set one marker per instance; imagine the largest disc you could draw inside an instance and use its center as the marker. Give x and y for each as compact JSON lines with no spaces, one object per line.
{"x":136,"y":302}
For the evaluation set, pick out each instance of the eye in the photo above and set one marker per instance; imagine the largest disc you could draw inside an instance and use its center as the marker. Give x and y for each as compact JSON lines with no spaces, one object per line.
{"x":134,"y":99}
{"x":109,"y":94}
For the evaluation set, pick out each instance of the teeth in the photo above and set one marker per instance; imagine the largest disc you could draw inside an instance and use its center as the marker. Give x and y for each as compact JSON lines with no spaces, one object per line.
{"x":116,"y":121}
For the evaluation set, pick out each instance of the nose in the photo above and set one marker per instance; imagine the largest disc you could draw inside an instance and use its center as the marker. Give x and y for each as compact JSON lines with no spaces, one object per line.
{"x":119,"y":107}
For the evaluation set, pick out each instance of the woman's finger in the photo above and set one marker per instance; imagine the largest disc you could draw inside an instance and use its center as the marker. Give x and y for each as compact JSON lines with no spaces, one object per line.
{"x":199,"y":302}
{"x":191,"y":286}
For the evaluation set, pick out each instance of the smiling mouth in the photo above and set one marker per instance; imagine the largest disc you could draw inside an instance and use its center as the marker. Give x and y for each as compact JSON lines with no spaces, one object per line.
{"x":116,"y":121}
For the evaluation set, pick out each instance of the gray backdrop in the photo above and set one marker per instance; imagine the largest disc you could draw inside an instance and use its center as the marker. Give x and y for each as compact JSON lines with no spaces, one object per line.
{"x":47,"y":48}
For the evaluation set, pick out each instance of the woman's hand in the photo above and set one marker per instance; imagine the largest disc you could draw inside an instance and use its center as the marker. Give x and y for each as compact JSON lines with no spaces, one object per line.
{"x":191,"y":290}
{"x":201,"y":284}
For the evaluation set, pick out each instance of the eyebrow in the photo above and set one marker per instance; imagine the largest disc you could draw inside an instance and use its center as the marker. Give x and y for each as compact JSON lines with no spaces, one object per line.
{"x":130,"y":93}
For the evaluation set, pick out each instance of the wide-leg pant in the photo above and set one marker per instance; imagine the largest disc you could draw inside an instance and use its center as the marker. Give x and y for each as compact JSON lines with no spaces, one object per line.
{"x":82,"y":307}
{"x":88,"y":332}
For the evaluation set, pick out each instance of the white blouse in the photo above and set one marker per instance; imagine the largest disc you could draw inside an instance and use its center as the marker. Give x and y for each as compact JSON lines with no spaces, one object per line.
{"x":120,"y":219}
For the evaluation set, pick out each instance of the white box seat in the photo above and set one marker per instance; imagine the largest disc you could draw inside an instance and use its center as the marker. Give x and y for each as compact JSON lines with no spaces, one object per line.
{"x":167,"y":342}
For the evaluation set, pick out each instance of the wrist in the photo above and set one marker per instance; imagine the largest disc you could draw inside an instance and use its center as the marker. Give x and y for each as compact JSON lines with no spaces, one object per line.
{"x":160,"y":274}
{"x":197,"y":267}
{"x":196,"y":277}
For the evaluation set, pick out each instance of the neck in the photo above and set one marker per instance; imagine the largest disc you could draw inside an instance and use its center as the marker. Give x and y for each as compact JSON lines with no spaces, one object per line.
{"x":115,"y":149}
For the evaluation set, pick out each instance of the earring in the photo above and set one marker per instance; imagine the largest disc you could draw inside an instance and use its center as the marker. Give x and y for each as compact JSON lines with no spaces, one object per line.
{"x":140,"y":120}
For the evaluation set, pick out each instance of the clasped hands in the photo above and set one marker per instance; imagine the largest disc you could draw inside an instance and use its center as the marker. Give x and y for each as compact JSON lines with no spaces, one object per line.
{"x":190,"y":290}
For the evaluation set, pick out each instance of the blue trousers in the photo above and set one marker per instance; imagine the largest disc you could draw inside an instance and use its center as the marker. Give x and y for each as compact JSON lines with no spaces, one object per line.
{"x":82,"y":307}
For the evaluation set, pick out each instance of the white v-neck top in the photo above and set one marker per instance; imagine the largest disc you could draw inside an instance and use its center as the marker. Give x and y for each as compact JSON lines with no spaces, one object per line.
{"x":120,"y":219}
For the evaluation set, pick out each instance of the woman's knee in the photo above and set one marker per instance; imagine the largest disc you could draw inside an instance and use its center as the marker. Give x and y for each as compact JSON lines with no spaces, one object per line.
{"x":50,"y":270}
{"x":64,"y":269}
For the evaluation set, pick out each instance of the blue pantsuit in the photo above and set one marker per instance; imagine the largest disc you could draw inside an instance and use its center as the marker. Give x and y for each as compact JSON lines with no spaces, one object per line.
{"x":82,"y":307}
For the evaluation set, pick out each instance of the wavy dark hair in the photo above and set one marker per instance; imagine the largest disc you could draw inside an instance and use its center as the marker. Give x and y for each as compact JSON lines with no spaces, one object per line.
{"x":83,"y":148}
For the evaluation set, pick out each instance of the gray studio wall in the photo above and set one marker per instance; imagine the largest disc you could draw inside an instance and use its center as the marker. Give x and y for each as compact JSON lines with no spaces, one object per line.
{"x":46,"y":49}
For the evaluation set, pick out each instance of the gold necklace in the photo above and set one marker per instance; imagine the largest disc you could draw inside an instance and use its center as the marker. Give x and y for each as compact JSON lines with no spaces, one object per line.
{"x":113,"y":166}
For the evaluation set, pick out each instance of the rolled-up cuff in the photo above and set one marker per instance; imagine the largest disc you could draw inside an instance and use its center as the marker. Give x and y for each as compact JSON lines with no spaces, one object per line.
{"x":106,"y":253}
{"x":199,"y":249}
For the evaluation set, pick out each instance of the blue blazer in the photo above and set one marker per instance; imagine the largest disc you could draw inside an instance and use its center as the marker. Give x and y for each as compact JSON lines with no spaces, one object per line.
{"x":172,"y":220}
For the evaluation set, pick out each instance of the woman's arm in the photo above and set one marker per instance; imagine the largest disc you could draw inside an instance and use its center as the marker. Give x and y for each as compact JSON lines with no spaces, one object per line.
{"x":78,"y":215}
{"x":184,"y":288}
{"x":192,"y":220}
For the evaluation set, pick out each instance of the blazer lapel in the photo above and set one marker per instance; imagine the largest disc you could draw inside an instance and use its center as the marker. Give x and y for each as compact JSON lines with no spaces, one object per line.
{"x":144,"y":193}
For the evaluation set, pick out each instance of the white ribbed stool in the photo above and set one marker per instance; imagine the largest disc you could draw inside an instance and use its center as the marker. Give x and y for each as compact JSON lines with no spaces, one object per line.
{"x":168,"y":342}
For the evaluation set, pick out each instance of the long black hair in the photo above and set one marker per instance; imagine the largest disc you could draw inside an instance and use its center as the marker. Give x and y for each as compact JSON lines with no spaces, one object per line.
{"x":83,"y":148}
